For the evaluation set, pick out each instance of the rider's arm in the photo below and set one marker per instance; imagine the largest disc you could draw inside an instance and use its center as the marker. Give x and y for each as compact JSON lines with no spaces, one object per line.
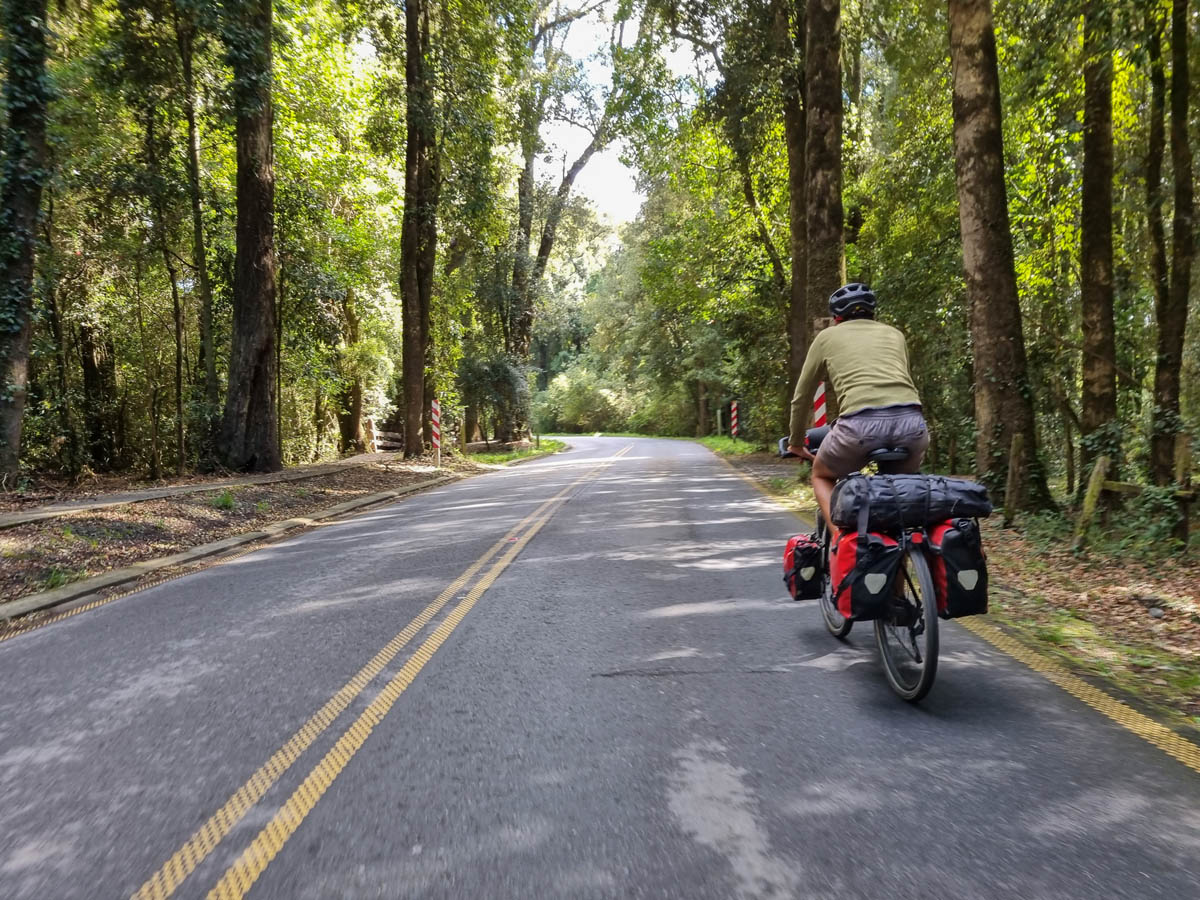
{"x":806,"y":385}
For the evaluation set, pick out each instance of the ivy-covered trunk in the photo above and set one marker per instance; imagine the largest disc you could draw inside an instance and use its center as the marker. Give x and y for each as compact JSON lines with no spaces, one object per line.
{"x":1003,"y":405}
{"x":26,"y":97}
{"x":249,"y":433}
{"x":1099,"y":406}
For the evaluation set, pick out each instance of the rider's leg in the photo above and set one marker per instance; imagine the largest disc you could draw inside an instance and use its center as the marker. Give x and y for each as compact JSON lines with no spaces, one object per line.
{"x":823,"y":480}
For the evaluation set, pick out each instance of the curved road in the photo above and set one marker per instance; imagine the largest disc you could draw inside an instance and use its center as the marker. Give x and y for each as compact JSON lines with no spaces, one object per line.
{"x":576,"y":678}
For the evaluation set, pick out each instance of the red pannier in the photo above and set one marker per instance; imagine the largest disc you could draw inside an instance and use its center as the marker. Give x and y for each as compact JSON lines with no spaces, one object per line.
{"x":802,"y":567}
{"x":863,"y":567}
{"x":959,"y":567}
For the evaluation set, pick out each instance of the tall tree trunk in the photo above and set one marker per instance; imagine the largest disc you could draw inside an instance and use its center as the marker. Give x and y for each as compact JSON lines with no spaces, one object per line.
{"x":418,"y":236}
{"x":1172,"y":314}
{"x":152,"y":160}
{"x":531,"y":116}
{"x":97,"y":360}
{"x":524,"y":329}
{"x":184,"y":36}
{"x":51,"y":288}
{"x":795,"y":136}
{"x":248,"y":433}
{"x":513,"y":422}
{"x":23,"y":171}
{"x":826,"y":266}
{"x":1003,"y":403}
{"x":1099,"y":404}
{"x":350,"y":424}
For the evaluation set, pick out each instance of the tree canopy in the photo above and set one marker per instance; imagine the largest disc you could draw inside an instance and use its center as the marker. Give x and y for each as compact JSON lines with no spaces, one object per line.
{"x":245,"y":233}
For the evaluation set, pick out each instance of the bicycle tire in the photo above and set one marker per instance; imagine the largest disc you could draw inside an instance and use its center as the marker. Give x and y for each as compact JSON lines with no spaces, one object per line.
{"x":909,"y":678}
{"x":837,"y":624}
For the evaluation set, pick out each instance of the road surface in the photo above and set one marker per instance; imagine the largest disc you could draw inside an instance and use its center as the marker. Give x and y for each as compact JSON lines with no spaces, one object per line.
{"x":576,"y":678}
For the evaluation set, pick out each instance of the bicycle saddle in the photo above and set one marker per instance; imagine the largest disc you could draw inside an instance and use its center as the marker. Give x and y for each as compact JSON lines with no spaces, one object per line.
{"x":814,"y":436}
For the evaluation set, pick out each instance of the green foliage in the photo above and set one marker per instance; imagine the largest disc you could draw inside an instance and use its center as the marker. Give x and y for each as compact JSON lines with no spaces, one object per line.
{"x":224,"y":500}
{"x":578,"y":400}
{"x":499,"y":459}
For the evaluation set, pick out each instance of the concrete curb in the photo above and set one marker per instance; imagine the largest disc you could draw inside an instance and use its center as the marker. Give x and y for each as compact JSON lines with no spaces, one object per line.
{"x":75,"y":590}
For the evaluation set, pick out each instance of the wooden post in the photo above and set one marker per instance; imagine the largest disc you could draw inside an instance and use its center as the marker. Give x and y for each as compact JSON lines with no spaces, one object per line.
{"x":1091,"y":500}
{"x":1183,"y":460}
{"x":1183,"y":479}
{"x":1016,"y":478}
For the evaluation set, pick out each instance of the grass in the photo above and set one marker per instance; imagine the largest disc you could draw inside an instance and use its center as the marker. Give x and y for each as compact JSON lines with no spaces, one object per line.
{"x":223,"y":500}
{"x":499,"y":459}
{"x":729,"y":446}
{"x":1161,"y":679}
{"x":57,"y":577}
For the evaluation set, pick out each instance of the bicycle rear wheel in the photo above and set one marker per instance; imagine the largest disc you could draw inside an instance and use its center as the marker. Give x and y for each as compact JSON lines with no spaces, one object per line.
{"x":839,"y":626}
{"x":908,"y":639}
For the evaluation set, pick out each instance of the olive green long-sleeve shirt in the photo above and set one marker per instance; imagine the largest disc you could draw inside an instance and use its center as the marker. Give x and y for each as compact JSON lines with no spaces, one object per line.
{"x":867,"y":363}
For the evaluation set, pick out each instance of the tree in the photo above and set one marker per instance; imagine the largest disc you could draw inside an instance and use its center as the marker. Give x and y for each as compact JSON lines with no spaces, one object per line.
{"x":1003,"y":404}
{"x":26,"y":96}
{"x":1099,"y":406}
{"x":185,"y":40}
{"x":825,"y":268}
{"x":789,"y":36}
{"x":418,"y":242}
{"x":249,"y":439}
{"x":1171,"y":309}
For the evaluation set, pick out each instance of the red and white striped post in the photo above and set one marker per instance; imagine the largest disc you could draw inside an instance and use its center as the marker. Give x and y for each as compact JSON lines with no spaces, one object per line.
{"x":819,"y":406}
{"x":733,"y":420}
{"x":436,"y":429}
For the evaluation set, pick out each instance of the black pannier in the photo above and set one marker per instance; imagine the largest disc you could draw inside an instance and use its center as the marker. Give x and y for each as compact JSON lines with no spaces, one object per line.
{"x":959,"y":567}
{"x":802,"y":567}
{"x":896,"y":502}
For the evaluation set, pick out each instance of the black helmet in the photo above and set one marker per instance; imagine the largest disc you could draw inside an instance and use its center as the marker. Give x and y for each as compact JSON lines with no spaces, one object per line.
{"x":852,"y":301}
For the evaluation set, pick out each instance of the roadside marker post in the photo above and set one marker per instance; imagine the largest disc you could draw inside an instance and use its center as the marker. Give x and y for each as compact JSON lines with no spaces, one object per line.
{"x":819,"y":406}
{"x":436,"y":429}
{"x":733,"y":420}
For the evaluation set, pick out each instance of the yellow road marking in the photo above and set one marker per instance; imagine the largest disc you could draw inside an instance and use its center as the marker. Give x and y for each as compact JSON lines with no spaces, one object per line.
{"x":185,"y":860}
{"x":240,"y":877}
{"x":1162,"y":737}
{"x":1147,"y":729}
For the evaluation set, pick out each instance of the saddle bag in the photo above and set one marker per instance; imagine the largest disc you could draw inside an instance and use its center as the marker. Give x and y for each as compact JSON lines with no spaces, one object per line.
{"x":802,"y":567}
{"x":959,"y":566}
{"x":862,"y":567}
{"x":896,"y":502}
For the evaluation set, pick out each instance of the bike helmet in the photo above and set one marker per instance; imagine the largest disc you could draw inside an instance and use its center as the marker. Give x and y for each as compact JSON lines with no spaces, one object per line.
{"x":853,"y":301}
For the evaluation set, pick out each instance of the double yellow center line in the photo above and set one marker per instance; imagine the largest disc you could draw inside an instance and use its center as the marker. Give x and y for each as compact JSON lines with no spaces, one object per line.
{"x":270,"y":840}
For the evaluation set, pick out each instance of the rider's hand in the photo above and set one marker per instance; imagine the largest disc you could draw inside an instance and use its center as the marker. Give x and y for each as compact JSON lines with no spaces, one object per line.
{"x":801,"y":452}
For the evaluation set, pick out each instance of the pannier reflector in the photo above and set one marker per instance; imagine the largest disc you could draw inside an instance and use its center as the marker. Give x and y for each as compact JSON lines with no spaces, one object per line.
{"x":808,"y":572}
{"x":968,"y":578}
{"x":875,"y":582}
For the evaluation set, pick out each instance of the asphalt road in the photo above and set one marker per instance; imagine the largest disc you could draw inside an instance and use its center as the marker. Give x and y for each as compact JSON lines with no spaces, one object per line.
{"x":619,"y":701}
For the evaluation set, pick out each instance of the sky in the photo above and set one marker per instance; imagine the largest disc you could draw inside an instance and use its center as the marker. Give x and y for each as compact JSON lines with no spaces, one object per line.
{"x":606,"y":181}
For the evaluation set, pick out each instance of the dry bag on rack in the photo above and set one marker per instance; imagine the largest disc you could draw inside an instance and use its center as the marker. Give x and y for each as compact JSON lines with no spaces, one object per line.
{"x":802,"y":567}
{"x":959,"y":568}
{"x":862,"y":569}
{"x":897,"y":502}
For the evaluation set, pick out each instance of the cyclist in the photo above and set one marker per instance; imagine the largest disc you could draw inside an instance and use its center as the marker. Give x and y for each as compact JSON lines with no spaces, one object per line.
{"x":867,"y":363}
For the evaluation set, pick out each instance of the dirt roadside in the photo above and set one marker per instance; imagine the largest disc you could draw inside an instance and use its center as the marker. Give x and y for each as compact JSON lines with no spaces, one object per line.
{"x":68,"y":548}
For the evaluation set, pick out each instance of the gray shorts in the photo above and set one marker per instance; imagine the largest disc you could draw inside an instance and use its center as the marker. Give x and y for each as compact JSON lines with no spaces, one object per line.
{"x":853,"y":437}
